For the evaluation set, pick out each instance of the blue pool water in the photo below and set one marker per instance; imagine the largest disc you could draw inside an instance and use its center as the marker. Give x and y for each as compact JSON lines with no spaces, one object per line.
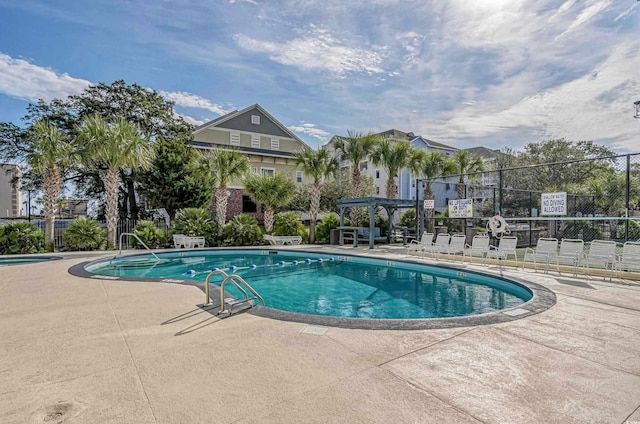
{"x":22,"y":261}
{"x":341,"y":286}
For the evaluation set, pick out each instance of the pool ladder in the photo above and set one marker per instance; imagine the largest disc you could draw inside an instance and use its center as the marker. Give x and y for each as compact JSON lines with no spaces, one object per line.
{"x":239,"y":283}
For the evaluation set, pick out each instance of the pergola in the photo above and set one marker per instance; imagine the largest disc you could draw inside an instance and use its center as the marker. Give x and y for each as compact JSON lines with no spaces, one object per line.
{"x":390,"y":205}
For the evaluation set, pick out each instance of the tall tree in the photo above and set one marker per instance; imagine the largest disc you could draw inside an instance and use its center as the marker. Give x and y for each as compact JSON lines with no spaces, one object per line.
{"x":466,"y":163}
{"x":176,"y":178}
{"x":147,"y":109}
{"x":355,"y":148}
{"x":50,"y":151}
{"x":318,"y":165}
{"x":114,"y":146}
{"x":227,"y":165}
{"x":392,"y":156}
{"x":151,"y":113}
{"x":272,"y":192}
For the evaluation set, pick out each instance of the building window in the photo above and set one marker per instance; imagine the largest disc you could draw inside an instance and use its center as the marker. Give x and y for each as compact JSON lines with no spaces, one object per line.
{"x":298,"y":176}
{"x":364,"y":166}
{"x":255,"y":141}
{"x":447,"y":186}
{"x":254,"y":170}
{"x":255,"y":119}
{"x":377,"y":190}
{"x":377,"y":174}
{"x":275,"y":144}
{"x":235,"y":139}
{"x":268,"y":171}
{"x":248,"y":205}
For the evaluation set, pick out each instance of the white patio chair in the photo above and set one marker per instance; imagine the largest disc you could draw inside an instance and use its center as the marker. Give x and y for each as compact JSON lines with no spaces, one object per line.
{"x":629,"y":260}
{"x":179,"y":241}
{"x":441,"y":244}
{"x":479,"y":246}
{"x":601,"y":254}
{"x":571,"y":253}
{"x":419,"y":246}
{"x":506,"y":247}
{"x":545,"y":252}
{"x":455,"y":246}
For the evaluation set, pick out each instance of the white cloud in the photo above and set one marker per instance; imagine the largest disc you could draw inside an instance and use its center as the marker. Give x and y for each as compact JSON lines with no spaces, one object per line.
{"x":310,"y":129}
{"x":318,"y":49}
{"x":184,"y":99}
{"x":24,"y":80}
{"x":191,"y":120}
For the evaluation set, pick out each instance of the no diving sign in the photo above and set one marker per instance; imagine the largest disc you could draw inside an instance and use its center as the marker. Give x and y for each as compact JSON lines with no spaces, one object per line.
{"x":554,"y":203}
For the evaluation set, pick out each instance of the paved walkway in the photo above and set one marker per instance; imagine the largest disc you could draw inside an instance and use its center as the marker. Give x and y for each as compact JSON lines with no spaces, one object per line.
{"x":76,"y":350}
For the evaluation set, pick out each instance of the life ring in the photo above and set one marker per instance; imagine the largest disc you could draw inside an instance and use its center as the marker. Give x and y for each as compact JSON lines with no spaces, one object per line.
{"x":497,"y":225}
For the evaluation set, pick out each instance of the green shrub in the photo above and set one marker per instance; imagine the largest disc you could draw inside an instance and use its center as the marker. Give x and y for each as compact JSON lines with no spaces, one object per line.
{"x":19,"y":238}
{"x":408,"y":219}
{"x":196,"y":222}
{"x":242,"y":230}
{"x":84,"y":234}
{"x":323,"y":229}
{"x":289,"y":224}
{"x":150,"y":235}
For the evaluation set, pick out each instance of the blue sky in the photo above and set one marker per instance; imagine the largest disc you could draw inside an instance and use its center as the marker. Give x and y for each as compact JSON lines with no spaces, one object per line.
{"x":497,"y":73}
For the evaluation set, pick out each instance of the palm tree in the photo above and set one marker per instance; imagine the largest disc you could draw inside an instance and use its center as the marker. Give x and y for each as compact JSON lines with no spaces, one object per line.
{"x":272,"y":192}
{"x":51,"y":151}
{"x":317,"y":164}
{"x":227,"y":165}
{"x":431,"y":165}
{"x":115,"y":146}
{"x":355,"y":148}
{"x":466,"y":164}
{"x":392,"y":156}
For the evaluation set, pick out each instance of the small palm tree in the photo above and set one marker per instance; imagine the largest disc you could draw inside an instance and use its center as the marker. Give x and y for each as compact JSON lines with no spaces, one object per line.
{"x":227,"y":165}
{"x":466,"y":164}
{"x":355,"y":148}
{"x":431,"y":165}
{"x":272,"y":192}
{"x":392,"y":156}
{"x":51,"y":151}
{"x":317,"y":164}
{"x":115,"y":146}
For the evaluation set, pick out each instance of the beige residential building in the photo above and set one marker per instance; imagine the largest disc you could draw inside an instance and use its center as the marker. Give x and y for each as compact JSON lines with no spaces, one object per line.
{"x":268,"y":144}
{"x":10,"y":186}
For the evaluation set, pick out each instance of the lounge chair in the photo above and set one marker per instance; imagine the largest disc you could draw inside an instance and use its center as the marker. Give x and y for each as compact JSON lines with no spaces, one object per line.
{"x":441,"y":244}
{"x":629,"y":260}
{"x":425,"y":242}
{"x":602,"y":254}
{"x":456,"y":245}
{"x":506,"y":247}
{"x":545,"y":252}
{"x":282,"y":240}
{"x":179,"y":241}
{"x":571,"y":253}
{"x":479,"y":246}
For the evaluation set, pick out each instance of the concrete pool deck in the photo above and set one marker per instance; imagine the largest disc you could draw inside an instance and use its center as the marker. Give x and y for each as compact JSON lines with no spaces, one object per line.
{"x":77,"y":350}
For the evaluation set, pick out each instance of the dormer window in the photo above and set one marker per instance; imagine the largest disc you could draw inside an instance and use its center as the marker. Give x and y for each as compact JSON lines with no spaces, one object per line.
{"x":255,"y":119}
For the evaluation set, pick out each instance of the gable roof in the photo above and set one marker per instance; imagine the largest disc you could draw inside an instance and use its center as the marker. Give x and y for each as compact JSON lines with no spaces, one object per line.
{"x":397,"y":134}
{"x":240,"y":120}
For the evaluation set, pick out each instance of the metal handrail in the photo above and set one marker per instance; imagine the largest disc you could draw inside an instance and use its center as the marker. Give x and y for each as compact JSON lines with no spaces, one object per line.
{"x":236,"y":280}
{"x":140,"y":241}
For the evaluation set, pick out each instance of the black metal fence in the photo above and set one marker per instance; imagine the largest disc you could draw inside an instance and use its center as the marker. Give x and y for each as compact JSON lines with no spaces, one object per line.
{"x":588,"y":199}
{"x":124,"y":226}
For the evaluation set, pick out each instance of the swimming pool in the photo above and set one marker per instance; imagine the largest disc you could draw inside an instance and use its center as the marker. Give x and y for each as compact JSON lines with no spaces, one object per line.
{"x":26,"y":260}
{"x":339,"y":286}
